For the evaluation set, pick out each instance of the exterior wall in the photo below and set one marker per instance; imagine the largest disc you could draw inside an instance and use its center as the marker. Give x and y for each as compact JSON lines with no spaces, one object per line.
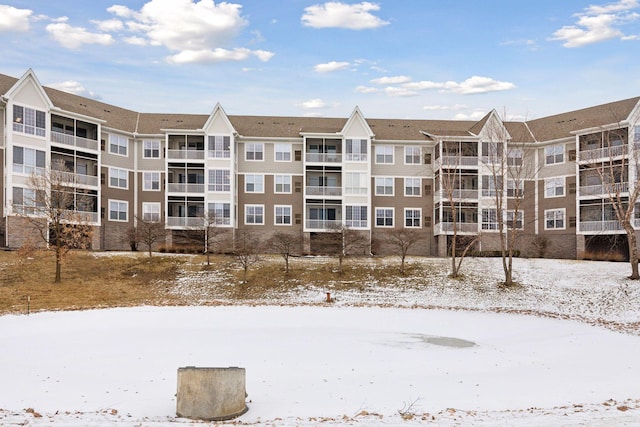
{"x":22,"y":232}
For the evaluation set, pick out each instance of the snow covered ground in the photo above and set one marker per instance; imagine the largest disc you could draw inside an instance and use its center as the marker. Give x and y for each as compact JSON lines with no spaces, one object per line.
{"x":374,"y":357}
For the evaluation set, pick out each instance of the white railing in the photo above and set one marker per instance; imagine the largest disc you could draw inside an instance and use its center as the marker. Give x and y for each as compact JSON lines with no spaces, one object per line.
{"x":462,"y":227}
{"x":465,"y":194}
{"x":185,"y":188}
{"x":596,"y":226}
{"x":219,"y":154}
{"x":323,"y":158}
{"x":602,"y":153}
{"x":186,"y":154}
{"x":324,"y":191}
{"x":322,"y":224}
{"x":75,"y":178}
{"x":75,"y":141}
{"x":459,"y":160}
{"x":182,"y":221}
{"x":604,"y":189}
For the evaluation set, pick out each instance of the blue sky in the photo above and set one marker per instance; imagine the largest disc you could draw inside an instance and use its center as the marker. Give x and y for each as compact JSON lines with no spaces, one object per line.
{"x":418,"y":59}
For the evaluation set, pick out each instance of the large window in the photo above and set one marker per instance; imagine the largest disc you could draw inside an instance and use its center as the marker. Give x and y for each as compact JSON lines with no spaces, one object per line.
{"x":151,"y":181}
{"x":515,"y":221}
{"x":412,"y":217}
{"x":118,"y":178}
{"x":384,"y":217}
{"x":356,"y":216}
{"x":28,"y":161}
{"x":356,"y":150}
{"x":515,"y":156}
{"x":219,"y":147}
{"x":489,"y":185}
{"x":282,"y":183}
{"x":254,"y":151}
{"x":254,"y":183}
{"x":515,"y":188}
{"x":29,"y":121}
{"x":151,"y":212}
{"x":554,"y":154}
{"x":489,"y":219}
{"x":554,"y":187}
{"x":151,"y":149}
{"x":412,"y":186}
{"x":25,"y":200}
{"x":554,"y":219}
{"x":384,"y":186}
{"x":220,"y":213}
{"x":118,"y":144}
{"x":219,"y":180}
{"x":118,"y":210}
{"x":356,"y":183}
{"x":283,"y":152}
{"x":384,"y":154}
{"x":254,"y":214}
{"x":282,"y":215}
{"x":412,"y":155}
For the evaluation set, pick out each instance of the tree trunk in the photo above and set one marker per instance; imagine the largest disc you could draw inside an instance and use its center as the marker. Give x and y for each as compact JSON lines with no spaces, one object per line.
{"x":58,"y":278}
{"x":286,"y":264}
{"x":633,"y":253}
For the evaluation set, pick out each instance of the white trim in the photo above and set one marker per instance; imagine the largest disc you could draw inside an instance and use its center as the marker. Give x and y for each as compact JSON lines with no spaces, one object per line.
{"x":564,"y":219}
{"x":275,"y":191}
{"x":404,"y":217}
{"x":245,"y":183}
{"x":109,"y":210}
{"x":275,"y":215}
{"x":375,"y":217}
{"x":375,"y":186}
{"x":254,"y":206}
{"x":419,"y":187}
{"x":112,"y":168}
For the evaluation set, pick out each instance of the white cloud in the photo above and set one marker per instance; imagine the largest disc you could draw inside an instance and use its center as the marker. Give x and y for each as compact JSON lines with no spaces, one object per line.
{"x":599,"y":23}
{"x":391,"y":80}
{"x":74,"y":37}
{"x":331,"y":66}
{"x":399,"y":91}
{"x":366,"y":89}
{"x":110,"y":25}
{"x":74,"y":87}
{"x":336,"y":14}
{"x":476,"y":115}
{"x":473,"y":85}
{"x":13,"y":19}
{"x":199,"y":31}
{"x":454,"y":107}
{"x":312,"y":104}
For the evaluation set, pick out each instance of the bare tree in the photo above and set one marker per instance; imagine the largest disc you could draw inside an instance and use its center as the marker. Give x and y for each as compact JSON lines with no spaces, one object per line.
{"x":342,"y":241}
{"x":402,"y":239}
{"x":247,"y":249}
{"x":617,"y":167}
{"x":149,"y":232}
{"x":285,"y":244}
{"x":51,"y":207}
{"x":213,"y":231}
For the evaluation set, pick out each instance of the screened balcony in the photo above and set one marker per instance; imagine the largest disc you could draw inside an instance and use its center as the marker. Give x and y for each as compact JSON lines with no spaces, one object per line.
{"x":185,"y":180}
{"x":74,"y":133}
{"x":185,"y":147}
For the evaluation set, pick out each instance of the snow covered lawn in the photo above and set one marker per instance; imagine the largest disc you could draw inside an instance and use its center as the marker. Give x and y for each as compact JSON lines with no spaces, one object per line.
{"x":308,"y":365}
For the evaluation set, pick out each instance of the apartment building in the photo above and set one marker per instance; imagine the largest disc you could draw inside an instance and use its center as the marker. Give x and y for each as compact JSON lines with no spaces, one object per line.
{"x":306,"y":176}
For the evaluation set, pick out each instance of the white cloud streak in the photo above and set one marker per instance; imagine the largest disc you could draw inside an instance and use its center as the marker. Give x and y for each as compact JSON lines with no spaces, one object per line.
{"x":470,"y":86}
{"x":391,"y":80}
{"x":312,"y":104}
{"x":336,"y":14}
{"x":332,"y":66}
{"x":74,"y":37}
{"x":72,"y":86}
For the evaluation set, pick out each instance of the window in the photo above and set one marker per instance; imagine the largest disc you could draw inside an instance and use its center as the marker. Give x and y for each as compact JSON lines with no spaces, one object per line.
{"x":28,"y":161}
{"x":356,"y":150}
{"x":151,"y":149}
{"x":283,"y":153}
{"x":282,"y":215}
{"x":554,"y":187}
{"x":118,"y":178}
{"x":254,"y":214}
{"x":384,"y":154}
{"x":220,"y":213}
{"x":412,"y":186}
{"x":384,"y":217}
{"x":489,"y":185}
{"x":515,"y":188}
{"x":554,"y":154}
{"x":356,"y":216}
{"x":489,"y":219}
{"x":412,"y":155}
{"x":151,"y":181}
{"x":219,"y":180}
{"x":554,"y":219}
{"x":355,"y":183}
{"x":515,"y":221}
{"x":492,"y":152}
{"x":219,"y":147}
{"x":254,"y":183}
{"x":29,"y":121}
{"x":254,"y":151}
{"x":412,"y":218}
{"x":118,"y":210}
{"x":118,"y":144}
{"x":25,"y":200}
{"x":282,"y":183}
{"x":636,"y":134}
{"x":151,"y":212}
{"x":514,"y":157}
{"x":384,"y":186}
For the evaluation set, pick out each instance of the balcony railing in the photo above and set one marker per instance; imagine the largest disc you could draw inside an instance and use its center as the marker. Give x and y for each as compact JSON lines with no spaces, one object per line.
{"x":600,"y":226}
{"x":76,"y":178}
{"x":185,"y":188}
{"x":462,"y":227}
{"x":75,"y":141}
{"x":323,"y":157}
{"x":459,"y":161}
{"x":604,"y":189}
{"x":602,"y":153}
{"x":324,"y":191}
{"x":322,"y":224}
{"x":185,"y":154}
{"x":182,"y":221}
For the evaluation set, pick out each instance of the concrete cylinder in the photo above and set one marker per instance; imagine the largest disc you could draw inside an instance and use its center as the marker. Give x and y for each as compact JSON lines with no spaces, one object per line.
{"x":211,"y":394}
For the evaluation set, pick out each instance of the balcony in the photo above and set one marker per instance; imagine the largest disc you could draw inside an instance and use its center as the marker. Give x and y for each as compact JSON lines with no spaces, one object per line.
{"x":74,"y":141}
{"x":71,"y":178}
{"x":182,"y":221}
{"x":453,"y":161}
{"x":185,"y":188}
{"x":602,"y":153}
{"x":604,"y":189}
{"x":322,"y":224}
{"x":324,"y":191}
{"x":323,"y":158}
{"x":462,"y":227}
{"x":599,"y":226}
{"x":185,"y":154}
